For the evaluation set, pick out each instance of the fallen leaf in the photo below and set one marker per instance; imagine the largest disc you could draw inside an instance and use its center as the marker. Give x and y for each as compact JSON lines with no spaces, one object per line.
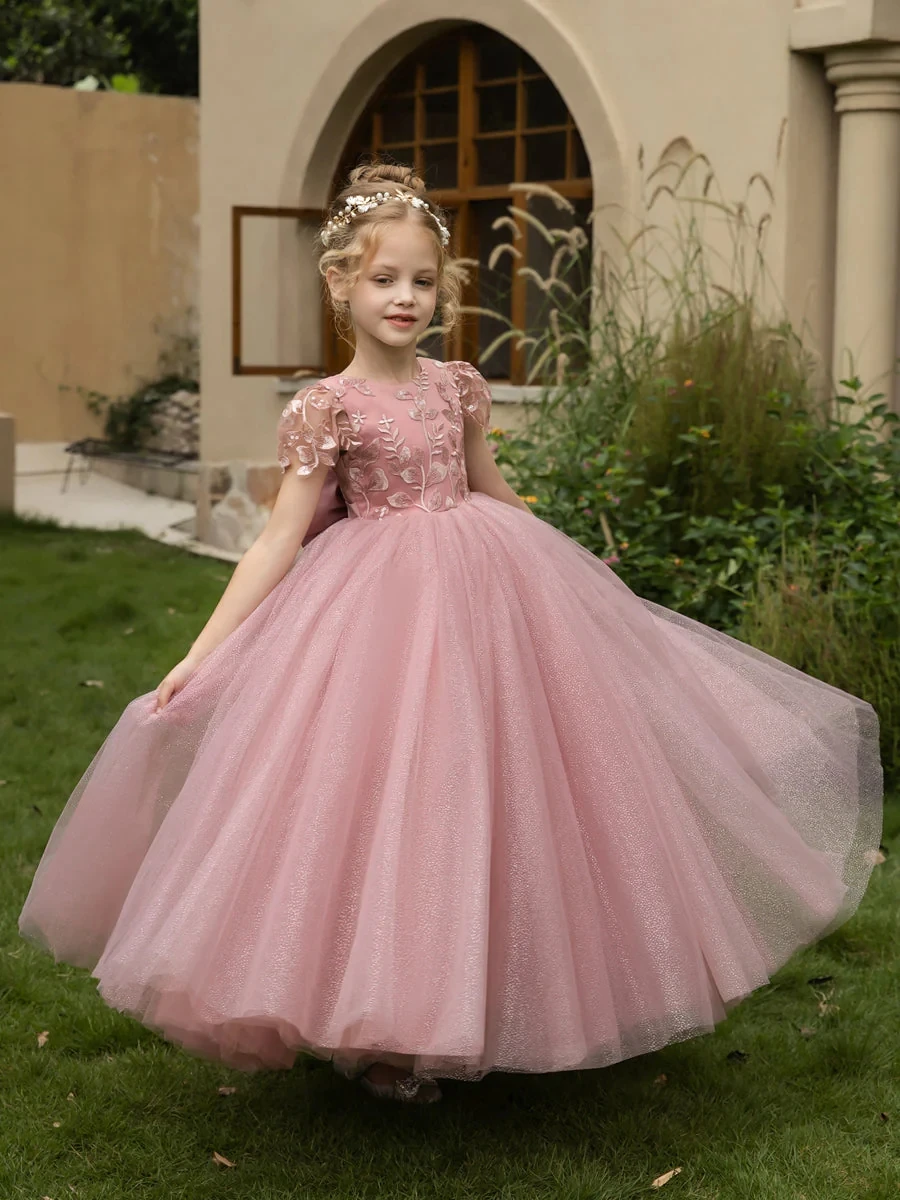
{"x":71,"y":1096}
{"x":221,"y":1159}
{"x":170,"y":609}
{"x":92,"y":683}
{"x":883,"y":1116}
{"x":56,"y":1124}
{"x":661,"y":1079}
{"x":127,"y":631}
{"x":662,"y":1179}
{"x":806,"y":1031}
{"x":4,"y":781}
{"x":42,"y":1037}
{"x":227,"y":1091}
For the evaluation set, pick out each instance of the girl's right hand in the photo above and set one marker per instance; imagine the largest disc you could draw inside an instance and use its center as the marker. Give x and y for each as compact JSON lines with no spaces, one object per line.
{"x":174,"y":682}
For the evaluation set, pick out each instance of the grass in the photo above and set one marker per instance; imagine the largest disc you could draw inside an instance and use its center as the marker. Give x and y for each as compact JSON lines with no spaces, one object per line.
{"x":794,"y":1097}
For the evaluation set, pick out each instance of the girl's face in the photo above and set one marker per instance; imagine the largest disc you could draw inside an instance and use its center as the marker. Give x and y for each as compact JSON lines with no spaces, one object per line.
{"x":394,"y":298}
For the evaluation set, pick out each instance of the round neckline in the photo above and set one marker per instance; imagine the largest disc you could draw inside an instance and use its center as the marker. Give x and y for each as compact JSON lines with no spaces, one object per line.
{"x":390,"y":383}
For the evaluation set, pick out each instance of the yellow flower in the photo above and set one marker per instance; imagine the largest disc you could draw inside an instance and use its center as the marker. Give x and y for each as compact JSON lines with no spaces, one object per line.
{"x":497,"y":431}
{"x":529,"y":499}
{"x":623,"y":545}
{"x":677,"y":562}
{"x":689,"y":383}
{"x":704,"y":433}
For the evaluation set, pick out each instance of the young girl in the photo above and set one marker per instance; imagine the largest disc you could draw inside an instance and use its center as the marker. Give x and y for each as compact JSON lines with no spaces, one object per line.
{"x":443,"y":796}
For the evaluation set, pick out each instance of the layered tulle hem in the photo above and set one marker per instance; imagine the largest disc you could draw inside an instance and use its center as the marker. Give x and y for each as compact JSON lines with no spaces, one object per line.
{"x":454,"y":798}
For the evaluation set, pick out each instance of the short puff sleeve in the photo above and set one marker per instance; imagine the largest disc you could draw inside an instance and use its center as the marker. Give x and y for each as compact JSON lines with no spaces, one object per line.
{"x":310,"y":429}
{"x":474,"y":392}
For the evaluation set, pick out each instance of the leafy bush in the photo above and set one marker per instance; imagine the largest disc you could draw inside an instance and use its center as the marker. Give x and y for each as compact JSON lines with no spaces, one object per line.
{"x":48,"y":41}
{"x":819,"y":611}
{"x":685,"y":442}
{"x":130,"y":422}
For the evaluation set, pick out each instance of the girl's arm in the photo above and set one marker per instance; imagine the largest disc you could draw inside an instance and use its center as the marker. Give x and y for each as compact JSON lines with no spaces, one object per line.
{"x":483,"y":473}
{"x":259,"y":569}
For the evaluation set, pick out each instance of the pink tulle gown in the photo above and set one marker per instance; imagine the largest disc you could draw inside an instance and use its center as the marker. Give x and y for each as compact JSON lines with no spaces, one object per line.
{"x":453,"y":797}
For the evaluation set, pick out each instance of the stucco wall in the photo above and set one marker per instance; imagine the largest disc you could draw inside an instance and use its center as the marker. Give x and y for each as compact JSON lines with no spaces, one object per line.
{"x":98,"y":240}
{"x":283,"y":83}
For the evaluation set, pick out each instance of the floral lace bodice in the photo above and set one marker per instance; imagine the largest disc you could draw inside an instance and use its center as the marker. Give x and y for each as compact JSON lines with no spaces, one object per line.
{"x":393,"y":446}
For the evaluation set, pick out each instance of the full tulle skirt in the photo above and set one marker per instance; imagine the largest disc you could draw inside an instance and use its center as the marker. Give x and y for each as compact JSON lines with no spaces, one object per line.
{"x":454,"y":798}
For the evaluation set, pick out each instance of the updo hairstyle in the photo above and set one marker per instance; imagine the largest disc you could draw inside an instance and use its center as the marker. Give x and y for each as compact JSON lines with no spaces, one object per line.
{"x":347,"y":245}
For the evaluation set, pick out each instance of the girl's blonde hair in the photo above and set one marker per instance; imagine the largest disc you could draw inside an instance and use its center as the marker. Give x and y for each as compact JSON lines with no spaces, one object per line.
{"x":347,"y":245}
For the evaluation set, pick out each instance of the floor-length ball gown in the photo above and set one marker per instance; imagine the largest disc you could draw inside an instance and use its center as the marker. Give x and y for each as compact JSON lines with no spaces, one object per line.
{"x":453,"y":797}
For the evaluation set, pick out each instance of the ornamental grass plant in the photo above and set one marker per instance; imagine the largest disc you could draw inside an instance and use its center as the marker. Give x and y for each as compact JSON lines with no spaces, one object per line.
{"x":684,"y":433}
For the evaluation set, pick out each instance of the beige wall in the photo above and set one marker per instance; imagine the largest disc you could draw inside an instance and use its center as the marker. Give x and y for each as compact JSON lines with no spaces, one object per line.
{"x":98,"y":240}
{"x":285,"y":81}
{"x":802,"y":93}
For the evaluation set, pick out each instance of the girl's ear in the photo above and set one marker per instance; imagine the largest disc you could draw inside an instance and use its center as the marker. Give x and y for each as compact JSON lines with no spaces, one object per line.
{"x":336,"y":283}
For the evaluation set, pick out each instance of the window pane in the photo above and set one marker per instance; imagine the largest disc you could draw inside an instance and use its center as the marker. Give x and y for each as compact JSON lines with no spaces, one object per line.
{"x":497,"y":108}
{"x":494,"y":285}
{"x":543,"y":104}
{"x":405,"y":155}
{"x":496,"y":160}
{"x":432,"y":346}
{"x":498,"y":58}
{"x":441,"y":63}
{"x":440,"y":165}
{"x":545,"y":156}
{"x":529,"y":66}
{"x":442,"y":114}
{"x":402,"y":78}
{"x":575,"y":269}
{"x":398,"y":119}
{"x":582,"y":166}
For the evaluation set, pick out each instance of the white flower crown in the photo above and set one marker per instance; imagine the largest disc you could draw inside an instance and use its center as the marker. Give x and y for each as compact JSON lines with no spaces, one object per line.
{"x":354,"y":205}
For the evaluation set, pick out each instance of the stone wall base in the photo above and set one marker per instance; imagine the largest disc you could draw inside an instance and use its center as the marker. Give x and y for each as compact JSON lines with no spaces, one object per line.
{"x":176,"y":483}
{"x":234,"y":500}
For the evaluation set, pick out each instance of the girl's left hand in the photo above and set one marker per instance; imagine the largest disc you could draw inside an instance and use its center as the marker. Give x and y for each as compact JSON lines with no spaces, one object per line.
{"x":174,"y":682}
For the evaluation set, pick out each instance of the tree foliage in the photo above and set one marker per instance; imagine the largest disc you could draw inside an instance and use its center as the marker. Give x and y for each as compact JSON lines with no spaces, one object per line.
{"x":45,"y":41}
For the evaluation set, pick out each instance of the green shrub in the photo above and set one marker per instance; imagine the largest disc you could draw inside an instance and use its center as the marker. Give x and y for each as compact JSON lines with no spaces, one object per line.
{"x":686,"y":443}
{"x":810,"y":611}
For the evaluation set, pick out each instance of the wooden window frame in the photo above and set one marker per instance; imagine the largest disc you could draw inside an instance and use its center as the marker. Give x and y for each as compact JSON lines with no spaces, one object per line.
{"x":238,"y":366}
{"x":463,"y":341}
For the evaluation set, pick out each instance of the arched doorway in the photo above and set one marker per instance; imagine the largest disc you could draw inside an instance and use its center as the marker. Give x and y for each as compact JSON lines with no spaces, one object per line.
{"x":473,"y":113}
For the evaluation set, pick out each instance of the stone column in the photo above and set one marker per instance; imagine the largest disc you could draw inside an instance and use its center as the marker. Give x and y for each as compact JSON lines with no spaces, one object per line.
{"x":867,"y":83}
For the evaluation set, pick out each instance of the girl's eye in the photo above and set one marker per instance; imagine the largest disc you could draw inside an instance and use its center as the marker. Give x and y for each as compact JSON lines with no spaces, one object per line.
{"x":387,"y":279}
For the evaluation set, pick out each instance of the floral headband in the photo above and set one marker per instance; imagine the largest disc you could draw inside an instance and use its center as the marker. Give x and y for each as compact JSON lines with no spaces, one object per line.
{"x":354,"y":205}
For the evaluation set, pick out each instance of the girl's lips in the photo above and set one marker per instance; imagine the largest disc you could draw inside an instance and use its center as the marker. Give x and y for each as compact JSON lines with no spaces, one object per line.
{"x":403,"y":321}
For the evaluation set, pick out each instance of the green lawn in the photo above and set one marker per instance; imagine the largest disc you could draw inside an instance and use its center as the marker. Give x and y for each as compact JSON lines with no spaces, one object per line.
{"x":795,"y":1096}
